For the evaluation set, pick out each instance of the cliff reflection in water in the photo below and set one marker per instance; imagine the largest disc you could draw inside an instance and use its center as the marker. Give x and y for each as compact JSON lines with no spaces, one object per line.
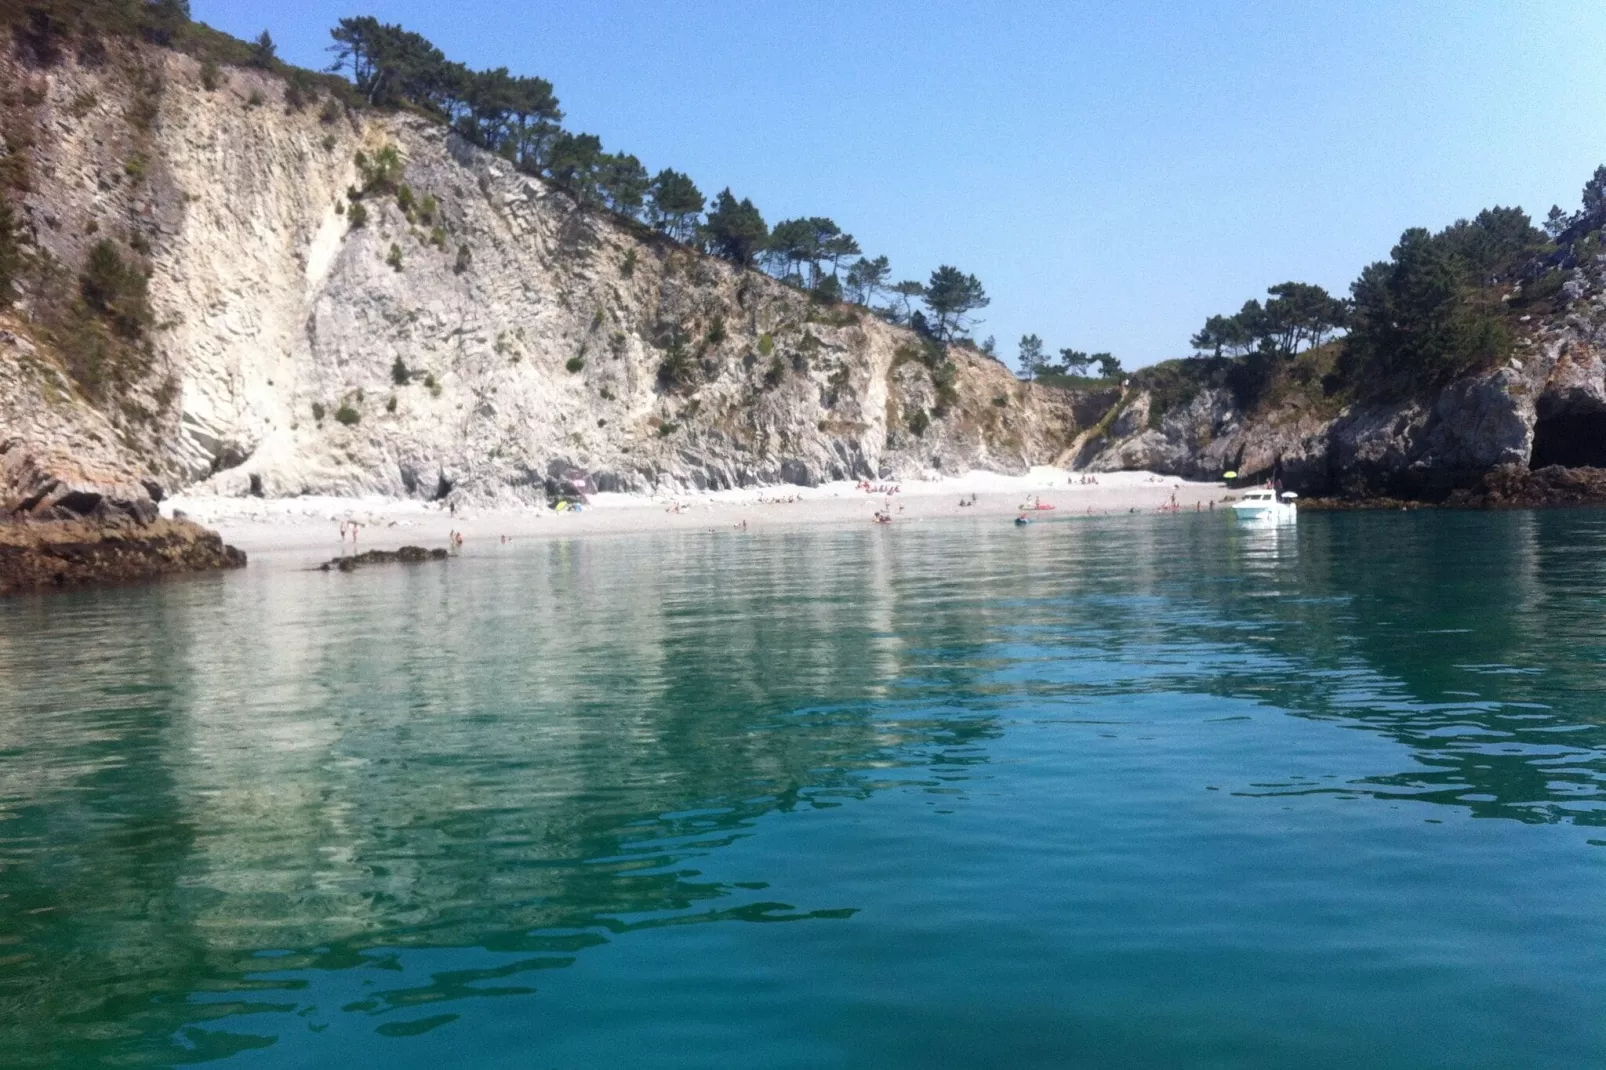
{"x":476,"y":754}
{"x":538,"y":752}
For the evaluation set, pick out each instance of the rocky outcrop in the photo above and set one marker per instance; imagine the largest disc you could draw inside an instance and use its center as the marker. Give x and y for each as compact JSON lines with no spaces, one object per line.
{"x":74,"y":553}
{"x":474,"y":334}
{"x":76,"y":508}
{"x":1546,"y":406}
{"x":60,"y":458}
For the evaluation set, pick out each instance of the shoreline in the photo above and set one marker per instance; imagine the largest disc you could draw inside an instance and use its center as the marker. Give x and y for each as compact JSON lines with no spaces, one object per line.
{"x":304,"y":532}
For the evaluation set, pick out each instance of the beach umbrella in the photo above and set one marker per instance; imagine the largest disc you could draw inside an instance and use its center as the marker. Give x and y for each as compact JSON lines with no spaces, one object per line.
{"x":1229,"y":475}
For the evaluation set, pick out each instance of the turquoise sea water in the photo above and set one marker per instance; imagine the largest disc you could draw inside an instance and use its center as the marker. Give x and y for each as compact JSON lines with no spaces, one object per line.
{"x":1130,"y":792}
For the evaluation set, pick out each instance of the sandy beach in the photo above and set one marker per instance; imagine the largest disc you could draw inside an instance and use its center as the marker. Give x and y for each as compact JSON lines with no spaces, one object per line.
{"x":297,"y":532}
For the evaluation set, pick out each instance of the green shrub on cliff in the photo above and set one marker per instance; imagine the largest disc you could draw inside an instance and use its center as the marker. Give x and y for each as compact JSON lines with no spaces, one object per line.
{"x":115,"y":289}
{"x":10,"y":253}
{"x":347,"y":415}
{"x":382,"y":172}
{"x":679,"y":370}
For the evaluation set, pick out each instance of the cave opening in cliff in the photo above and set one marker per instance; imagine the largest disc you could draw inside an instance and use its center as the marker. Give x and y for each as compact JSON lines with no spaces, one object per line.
{"x":1572,"y":440}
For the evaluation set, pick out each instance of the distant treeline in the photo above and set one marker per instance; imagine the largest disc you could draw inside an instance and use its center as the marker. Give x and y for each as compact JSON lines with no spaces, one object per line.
{"x":1442,"y":304}
{"x":518,"y":117}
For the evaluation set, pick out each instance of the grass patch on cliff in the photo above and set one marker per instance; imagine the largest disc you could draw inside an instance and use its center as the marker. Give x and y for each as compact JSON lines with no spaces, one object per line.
{"x":101,"y":330}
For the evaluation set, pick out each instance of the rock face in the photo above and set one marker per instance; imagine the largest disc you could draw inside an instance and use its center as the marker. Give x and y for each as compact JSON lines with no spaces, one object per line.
{"x":477,"y":336}
{"x":60,"y":458}
{"x":90,"y":552}
{"x":1547,"y":406}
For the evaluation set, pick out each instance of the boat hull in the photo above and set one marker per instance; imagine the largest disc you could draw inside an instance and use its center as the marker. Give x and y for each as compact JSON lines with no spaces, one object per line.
{"x":1267,"y":513}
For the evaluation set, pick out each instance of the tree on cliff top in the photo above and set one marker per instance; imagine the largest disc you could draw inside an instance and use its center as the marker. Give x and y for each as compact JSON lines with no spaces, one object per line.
{"x":1031,"y":355}
{"x":952,"y":296}
{"x":867,"y":279}
{"x":673,"y":203}
{"x":623,"y":183}
{"x":264,"y":51}
{"x":735,"y":229}
{"x":1299,"y":316}
{"x":573,"y":164}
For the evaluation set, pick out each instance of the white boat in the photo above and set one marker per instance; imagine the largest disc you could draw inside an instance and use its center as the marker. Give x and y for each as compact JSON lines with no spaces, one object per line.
{"x":1263,"y":505}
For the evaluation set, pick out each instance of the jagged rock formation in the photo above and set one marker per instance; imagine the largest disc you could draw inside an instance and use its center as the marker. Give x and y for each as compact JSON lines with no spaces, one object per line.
{"x":1545,"y":406}
{"x":477,"y":334}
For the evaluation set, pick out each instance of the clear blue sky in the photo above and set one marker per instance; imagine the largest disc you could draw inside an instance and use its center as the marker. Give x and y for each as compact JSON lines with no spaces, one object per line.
{"x":1114,"y":173}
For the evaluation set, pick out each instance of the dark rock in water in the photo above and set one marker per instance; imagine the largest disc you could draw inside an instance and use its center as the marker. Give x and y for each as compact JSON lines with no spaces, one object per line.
{"x":406,"y":555}
{"x":86,"y":552}
{"x":1516,"y":487}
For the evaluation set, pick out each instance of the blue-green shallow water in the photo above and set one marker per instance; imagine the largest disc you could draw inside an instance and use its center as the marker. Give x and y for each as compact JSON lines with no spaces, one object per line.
{"x":1146,"y":792}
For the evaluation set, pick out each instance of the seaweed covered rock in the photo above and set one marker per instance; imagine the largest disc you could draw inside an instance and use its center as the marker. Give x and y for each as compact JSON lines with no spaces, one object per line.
{"x":407,"y":555}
